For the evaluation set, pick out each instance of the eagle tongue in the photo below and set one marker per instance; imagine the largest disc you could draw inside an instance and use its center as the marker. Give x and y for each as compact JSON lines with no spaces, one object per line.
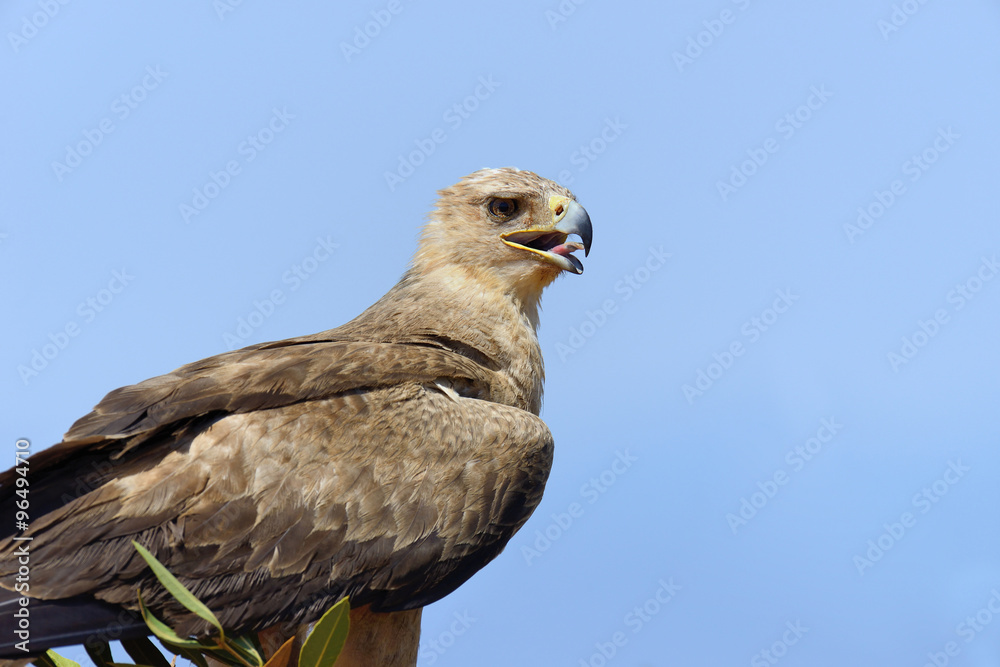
{"x":566,"y":250}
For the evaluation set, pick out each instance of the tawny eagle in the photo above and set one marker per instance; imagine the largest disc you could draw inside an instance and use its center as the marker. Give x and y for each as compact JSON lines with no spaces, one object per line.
{"x":387,"y":460}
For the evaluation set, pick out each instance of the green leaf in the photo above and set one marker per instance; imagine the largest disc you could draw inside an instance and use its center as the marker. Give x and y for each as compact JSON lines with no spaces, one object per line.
{"x":328,"y":637}
{"x":164,"y":632}
{"x":282,"y":656}
{"x":244,"y":648}
{"x":144,"y":652}
{"x":43,"y":661}
{"x":176,"y":588}
{"x":50,"y":657}
{"x":100,"y":653}
{"x":225,"y":656}
{"x":254,"y":640}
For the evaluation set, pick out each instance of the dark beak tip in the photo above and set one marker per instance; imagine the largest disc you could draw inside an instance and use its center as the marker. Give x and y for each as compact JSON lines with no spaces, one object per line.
{"x":586,"y":231}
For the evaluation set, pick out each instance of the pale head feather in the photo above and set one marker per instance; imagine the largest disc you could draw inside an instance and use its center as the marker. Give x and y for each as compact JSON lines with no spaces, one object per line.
{"x":463,"y":243}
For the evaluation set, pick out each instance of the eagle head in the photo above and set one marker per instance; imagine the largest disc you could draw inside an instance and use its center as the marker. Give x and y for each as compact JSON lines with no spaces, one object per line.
{"x":506,"y":228}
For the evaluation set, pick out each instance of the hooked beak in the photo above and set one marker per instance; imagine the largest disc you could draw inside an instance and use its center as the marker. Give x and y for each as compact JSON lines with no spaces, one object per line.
{"x":568,"y":217}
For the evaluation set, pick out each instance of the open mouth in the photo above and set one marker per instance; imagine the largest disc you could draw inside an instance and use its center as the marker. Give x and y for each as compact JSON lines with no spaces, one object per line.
{"x":550,"y":245}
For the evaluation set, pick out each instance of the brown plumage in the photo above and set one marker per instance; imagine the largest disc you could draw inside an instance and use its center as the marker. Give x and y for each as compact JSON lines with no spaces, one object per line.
{"x":388,"y":459}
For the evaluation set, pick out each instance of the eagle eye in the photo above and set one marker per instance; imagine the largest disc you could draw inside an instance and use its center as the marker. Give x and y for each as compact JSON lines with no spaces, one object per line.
{"x":502,"y":209}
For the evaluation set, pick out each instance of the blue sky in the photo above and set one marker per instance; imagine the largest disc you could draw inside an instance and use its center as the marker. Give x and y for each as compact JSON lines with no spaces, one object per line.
{"x":773,"y":391}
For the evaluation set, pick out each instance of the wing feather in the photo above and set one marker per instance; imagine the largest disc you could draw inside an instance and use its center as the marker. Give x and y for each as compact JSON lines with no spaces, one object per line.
{"x":134,"y":426}
{"x":391,"y":492}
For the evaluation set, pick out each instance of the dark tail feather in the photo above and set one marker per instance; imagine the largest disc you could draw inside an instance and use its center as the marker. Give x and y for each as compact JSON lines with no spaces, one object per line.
{"x":44,"y":624}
